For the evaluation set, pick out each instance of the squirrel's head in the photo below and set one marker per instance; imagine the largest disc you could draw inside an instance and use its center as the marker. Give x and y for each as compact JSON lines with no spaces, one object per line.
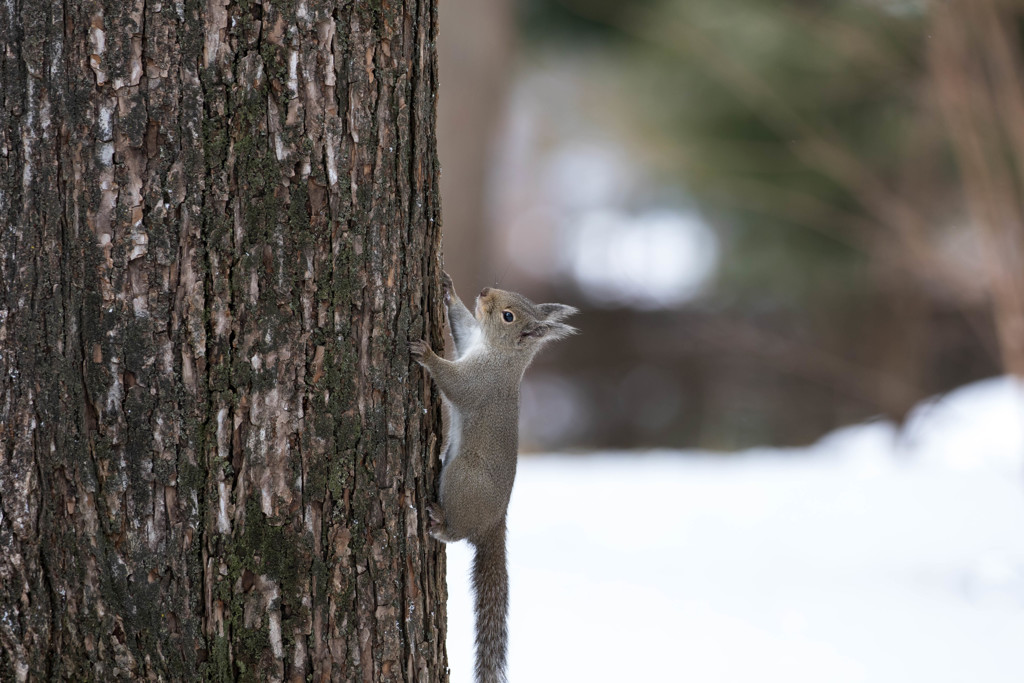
{"x":511,"y":320}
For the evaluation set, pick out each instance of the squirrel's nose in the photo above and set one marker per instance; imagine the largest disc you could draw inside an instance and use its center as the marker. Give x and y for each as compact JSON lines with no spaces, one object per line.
{"x":485,"y":291}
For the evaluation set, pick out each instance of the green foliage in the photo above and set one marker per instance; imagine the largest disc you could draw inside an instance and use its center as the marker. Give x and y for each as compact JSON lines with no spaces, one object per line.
{"x":789,"y":123}
{"x":590,"y":20}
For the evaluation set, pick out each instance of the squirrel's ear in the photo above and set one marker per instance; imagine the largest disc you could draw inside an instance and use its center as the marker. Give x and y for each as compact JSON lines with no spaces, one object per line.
{"x":555,"y":312}
{"x":548,"y":330}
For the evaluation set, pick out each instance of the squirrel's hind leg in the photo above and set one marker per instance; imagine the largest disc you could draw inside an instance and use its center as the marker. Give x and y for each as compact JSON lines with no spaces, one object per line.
{"x":437,"y":527}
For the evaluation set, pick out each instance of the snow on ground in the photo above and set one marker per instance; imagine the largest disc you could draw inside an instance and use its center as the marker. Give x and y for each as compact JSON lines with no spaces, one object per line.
{"x":876,"y":555}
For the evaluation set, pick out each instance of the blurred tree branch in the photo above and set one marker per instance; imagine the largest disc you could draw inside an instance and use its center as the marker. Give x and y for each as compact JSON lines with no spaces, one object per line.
{"x":976,"y":74}
{"x":976,"y":67}
{"x":815,"y":144}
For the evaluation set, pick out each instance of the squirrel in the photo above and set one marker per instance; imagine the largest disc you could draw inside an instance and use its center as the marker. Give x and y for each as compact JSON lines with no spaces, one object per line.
{"x":481,"y":391}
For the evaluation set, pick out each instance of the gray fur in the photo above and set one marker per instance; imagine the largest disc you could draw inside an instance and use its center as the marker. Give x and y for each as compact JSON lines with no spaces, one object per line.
{"x":481,"y":392}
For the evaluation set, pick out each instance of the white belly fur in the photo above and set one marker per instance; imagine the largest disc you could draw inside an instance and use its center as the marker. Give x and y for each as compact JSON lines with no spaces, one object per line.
{"x":454,"y":436}
{"x":475,"y":343}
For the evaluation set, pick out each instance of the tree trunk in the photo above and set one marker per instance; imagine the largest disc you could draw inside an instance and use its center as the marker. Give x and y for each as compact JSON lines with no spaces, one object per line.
{"x":218,"y":222}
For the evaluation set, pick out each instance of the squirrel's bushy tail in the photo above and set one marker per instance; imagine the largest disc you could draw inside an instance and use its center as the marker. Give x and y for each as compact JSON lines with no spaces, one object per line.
{"x":490,"y":588}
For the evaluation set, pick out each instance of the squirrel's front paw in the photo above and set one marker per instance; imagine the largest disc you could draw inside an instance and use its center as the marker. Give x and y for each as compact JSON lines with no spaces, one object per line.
{"x":420,"y":349}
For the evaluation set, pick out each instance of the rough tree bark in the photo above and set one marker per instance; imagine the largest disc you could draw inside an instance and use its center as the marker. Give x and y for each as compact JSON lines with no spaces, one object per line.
{"x":218,"y":222}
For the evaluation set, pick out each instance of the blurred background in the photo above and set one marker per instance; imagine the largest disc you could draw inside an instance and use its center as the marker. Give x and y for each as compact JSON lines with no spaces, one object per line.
{"x":777,"y":217}
{"x":790,"y":441}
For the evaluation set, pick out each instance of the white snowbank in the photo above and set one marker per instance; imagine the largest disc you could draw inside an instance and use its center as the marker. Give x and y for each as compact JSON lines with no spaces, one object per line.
{"x":977,"y":426}
{"x":876,"y":555}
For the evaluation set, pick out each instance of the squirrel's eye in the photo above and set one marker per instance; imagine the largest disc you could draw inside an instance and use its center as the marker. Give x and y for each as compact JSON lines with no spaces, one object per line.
{"x":507,"y":316}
